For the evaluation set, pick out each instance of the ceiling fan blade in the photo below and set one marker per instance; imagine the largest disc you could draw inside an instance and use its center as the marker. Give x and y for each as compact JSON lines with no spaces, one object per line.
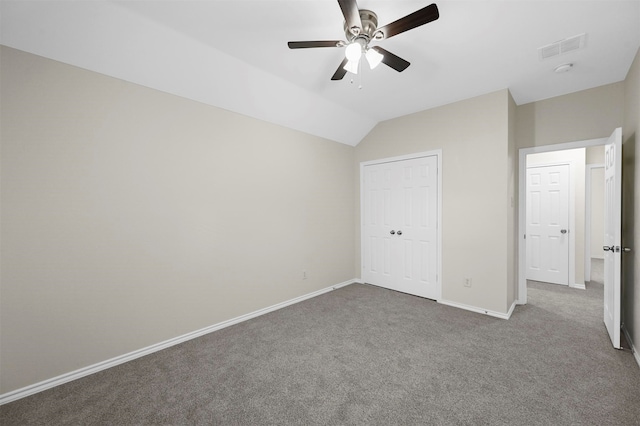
{"x":340,"y":72}
{"x":411,"y":21}
{"x":308,"y":44}
{"x":351,"y":13}
{"x":388,"y":58}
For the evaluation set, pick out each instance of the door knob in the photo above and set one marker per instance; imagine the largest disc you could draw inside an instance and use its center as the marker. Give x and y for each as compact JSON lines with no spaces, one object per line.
{"x":392,"y":232}
{"x":563,"y":231}
{"x":607,"y":248}
{"x":626,"y":249}
{"x":399,"y":232}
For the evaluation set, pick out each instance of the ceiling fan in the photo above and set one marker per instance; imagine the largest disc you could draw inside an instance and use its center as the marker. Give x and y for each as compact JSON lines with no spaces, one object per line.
{"x":360,"y":28}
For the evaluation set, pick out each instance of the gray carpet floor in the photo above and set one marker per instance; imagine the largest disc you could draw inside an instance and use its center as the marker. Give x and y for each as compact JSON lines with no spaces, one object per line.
{"x":366,"y":355}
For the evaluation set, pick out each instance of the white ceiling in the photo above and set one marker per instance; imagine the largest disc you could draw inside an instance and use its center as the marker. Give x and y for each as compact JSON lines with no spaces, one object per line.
{"x":234,"y":54}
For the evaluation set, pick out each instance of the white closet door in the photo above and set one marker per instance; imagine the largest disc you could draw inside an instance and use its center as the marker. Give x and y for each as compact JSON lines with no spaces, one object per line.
{"x":377,"y":224}
{"x":400,"y":226}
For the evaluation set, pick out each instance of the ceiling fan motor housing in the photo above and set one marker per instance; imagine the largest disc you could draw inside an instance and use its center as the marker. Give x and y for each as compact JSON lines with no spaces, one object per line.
{"x":369,"y":26}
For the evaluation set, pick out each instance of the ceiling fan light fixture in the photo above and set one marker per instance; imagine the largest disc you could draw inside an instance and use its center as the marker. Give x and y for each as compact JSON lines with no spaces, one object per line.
{"x":353,"y":52}
{"x":374,"y":58}
{"x":352,"y":66}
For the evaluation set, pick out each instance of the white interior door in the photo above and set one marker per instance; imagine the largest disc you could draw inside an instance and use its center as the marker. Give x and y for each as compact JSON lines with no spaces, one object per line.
{"x":612,"y":235}
{"x":547,"y":219}
{"x":400,"y":200}
{"x":416,"y":211}
{"x":377,"y":224}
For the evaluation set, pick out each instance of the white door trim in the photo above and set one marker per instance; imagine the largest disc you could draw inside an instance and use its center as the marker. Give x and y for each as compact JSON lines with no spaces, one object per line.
{"x":437,"y":153}
{"x":522,"y":168}
{"x":587,"y":219}
{"x":571,"y":279}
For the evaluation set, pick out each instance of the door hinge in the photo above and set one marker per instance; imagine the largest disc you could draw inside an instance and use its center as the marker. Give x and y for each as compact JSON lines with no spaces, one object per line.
{"x":525,"y":236}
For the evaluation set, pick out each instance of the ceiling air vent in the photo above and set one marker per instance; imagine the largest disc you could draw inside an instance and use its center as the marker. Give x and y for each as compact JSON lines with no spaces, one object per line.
{"x":562,"y":46}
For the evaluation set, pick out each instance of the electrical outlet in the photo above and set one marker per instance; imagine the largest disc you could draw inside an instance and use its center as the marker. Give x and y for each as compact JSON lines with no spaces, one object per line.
{"x":304,"y":274}
{"x":467,"y":282}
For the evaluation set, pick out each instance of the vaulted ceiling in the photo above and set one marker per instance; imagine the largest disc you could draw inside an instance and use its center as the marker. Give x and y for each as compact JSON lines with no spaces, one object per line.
{"x":234,"y":54}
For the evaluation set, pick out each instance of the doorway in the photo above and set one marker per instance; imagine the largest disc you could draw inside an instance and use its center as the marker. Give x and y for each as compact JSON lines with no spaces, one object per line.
{"x":612,"y":226}
{"x":577,"y":250}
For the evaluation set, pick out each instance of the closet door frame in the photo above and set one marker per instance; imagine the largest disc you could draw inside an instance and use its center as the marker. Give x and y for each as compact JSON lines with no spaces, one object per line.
{"x":438,"y":154}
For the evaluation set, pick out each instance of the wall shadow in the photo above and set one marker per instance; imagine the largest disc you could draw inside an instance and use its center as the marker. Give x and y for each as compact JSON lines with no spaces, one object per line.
{"x":628,"y":281}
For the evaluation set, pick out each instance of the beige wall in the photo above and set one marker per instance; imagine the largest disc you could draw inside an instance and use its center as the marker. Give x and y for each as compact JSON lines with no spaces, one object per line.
{"x":130,"y":216}
{"x":474,"y":136}
{"x":631,"y":204}
{"x":595,"y":156}
{"x":597,"y":213}
{"x":584,"y":115}
{"x":576,"y":157}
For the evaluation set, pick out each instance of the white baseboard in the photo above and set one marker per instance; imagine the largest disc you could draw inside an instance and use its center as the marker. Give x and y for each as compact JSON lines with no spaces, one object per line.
{"x":82,"y":372}
{"x":636,"y":355}
{"x":480,"y":310}
{"x":511,"y":309}
{"x":579,"y":286}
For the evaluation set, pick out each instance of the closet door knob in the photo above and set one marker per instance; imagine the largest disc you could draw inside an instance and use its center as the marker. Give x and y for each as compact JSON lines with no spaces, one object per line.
{"x":399,"y":232}
{"x":392,"y":232}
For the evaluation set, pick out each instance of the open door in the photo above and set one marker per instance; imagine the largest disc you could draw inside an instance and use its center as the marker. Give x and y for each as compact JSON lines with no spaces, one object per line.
{"x":612,"y":234}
